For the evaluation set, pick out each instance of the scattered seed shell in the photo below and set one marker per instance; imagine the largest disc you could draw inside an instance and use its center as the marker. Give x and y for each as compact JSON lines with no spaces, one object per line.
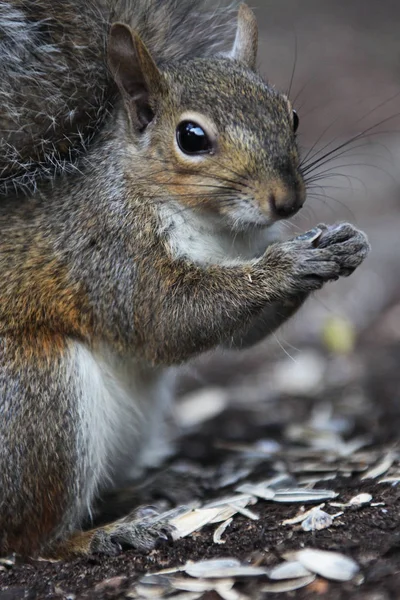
{"x":163,"y":572}
{"x":288,"y":586}
{"x":149,"y":593}
{"x":290,"y":495}
{"x":392,"y":480}
{"x":224,"y":513}
{"x":192,"y":521}
{"x":312,"y":480}
{"x":229,"y":593}
{"x":200,"y":406}
{"x":381,"y":468}
{"x":278,"y":482}
{"x":218,"y":533}
{"x":199,"y":585}
{"x":317,"y":520}
{"x":152,"y":591}
{"x":305,"y":376}
{"x":10,"y":562}
{"x":360,"y":500}
{"x":155,"y":581}
{"x":259,"y":490}
{"x":331,"y":565}
{"x":242,"y":500}
{"x":289,"y":570}
{"x":303,"y":495}
{"x":184,"y":596}
{"x":300,"y":517}
{"x":222,"y":568}
{"x":246,"y":512}
{"x":207,"y":565}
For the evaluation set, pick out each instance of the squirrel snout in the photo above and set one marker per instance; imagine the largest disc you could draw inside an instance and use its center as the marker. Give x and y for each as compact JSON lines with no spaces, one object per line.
{"x":285,"y":203}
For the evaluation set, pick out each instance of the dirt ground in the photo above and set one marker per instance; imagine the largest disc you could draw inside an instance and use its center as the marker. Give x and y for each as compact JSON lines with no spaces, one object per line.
{"x":319,"y":405}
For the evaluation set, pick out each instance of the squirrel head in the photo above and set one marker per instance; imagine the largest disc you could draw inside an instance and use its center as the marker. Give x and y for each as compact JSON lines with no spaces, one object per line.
{"x":210,"y":133}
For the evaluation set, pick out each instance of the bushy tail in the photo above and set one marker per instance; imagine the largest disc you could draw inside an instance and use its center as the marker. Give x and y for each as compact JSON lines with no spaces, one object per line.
{"x":178,"y":29}
{"x":54,"y":85}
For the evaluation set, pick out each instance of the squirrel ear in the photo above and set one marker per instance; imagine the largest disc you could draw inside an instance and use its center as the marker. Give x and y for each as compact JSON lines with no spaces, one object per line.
{"x":135,"y":73}
{"x":246,"y":42}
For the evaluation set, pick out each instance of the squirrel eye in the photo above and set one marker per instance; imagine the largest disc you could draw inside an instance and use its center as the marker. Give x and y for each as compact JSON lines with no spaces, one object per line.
{"x":192,"y":139}
{"x":296,"y":121}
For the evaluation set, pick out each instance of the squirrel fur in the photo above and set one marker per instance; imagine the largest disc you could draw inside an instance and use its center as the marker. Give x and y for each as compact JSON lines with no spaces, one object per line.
{"x":132,"y":255}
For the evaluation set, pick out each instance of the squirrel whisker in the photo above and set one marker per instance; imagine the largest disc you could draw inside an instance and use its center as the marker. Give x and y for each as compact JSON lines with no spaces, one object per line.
{"x":324,"y":199}
{"x":306,"y":167}
{"x":363,"y":117}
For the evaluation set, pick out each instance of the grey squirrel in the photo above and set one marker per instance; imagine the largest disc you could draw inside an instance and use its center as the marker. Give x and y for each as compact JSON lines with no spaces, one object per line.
{"x":154,"y":163}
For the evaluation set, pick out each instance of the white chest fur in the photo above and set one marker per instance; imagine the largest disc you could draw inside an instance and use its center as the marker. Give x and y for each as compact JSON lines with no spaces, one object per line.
{"x":123,"y":404}
{"x":204,"y":240}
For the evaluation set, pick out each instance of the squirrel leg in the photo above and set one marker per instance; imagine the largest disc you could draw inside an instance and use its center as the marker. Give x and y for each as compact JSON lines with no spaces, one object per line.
{"x":270,"y":319}
{"x":45,"y":484}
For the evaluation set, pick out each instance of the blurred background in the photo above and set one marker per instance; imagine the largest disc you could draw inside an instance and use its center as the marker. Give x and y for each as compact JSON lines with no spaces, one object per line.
{"x":340,"y":59}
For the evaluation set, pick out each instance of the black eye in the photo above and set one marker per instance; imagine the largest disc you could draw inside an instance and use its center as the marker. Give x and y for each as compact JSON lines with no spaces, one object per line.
{"x":296,"y":121}
{"x":192,"y":139}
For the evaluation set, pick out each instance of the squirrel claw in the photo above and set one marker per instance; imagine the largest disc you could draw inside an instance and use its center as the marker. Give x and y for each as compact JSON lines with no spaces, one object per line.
{"x":311,"y":236}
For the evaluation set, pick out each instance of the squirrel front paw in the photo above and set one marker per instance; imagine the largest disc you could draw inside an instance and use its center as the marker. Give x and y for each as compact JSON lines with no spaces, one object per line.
{"x":323,"y":254}
{"x":349,"y":244}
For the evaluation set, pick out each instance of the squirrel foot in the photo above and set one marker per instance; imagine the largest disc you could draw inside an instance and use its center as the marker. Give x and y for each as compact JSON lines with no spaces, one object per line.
{"x":139,"y":536}
{"x":142,"y":530}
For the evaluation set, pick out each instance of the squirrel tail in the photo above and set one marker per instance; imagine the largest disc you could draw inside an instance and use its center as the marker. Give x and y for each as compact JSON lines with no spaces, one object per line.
{"x":55,"y":90}
{"x":178,"y":29}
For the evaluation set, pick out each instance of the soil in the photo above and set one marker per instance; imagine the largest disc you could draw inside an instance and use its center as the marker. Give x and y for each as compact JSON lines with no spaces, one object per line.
{"x":369,"y":534}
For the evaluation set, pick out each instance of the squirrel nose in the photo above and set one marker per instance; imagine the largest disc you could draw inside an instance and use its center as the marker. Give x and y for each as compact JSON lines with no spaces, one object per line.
{"x":285,"y":204}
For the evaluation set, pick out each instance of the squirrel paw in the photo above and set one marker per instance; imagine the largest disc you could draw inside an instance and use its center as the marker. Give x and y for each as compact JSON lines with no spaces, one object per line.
{"x":323,"y":254}
{"x":350,"y":246}
{"x":142,"y":534}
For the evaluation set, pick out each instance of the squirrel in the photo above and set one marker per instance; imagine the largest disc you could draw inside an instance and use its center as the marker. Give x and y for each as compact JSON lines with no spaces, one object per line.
{"x":147,"y":166}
